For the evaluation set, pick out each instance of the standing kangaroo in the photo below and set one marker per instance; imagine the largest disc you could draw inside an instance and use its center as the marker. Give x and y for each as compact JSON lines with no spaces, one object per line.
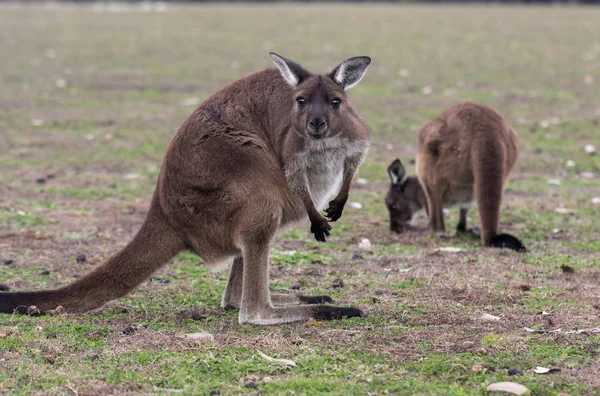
{"x":261,"y":153}
{"x":465,"y":153}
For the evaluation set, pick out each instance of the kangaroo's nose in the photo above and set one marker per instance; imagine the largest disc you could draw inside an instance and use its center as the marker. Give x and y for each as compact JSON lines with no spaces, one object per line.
{"x":317,"y":126}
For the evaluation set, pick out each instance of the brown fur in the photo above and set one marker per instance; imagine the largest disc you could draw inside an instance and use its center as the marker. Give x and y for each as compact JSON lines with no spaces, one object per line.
{"x":239,"y":168}
{"x":464,"y":155}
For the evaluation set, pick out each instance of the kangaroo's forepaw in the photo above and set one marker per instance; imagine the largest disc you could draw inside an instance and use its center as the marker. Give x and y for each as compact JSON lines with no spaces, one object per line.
{"x":315,"y":299}
{"x":321,"y":230}
{"x":327,"y":312}
{"x":335,"y":209}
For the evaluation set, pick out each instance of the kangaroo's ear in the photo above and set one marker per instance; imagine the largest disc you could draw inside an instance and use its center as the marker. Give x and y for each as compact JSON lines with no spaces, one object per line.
{"x":350,"y":71}
{"x":397,"y":173}
{"x":292,"y":72}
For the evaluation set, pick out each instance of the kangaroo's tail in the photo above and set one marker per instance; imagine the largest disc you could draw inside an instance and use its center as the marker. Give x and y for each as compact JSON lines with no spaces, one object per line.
{"x":489,"y":172}
{"x":153,"y":246}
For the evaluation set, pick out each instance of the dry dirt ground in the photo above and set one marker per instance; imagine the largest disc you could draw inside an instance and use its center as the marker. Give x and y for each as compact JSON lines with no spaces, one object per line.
{"x":90,"y":96}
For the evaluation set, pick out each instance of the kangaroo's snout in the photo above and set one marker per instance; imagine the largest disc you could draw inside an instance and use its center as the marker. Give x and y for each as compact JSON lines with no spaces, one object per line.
{"x":317,"y":127}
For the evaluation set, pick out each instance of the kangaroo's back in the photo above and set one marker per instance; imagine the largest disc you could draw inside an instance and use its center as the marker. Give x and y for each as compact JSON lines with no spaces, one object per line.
{"x":463,"y":155}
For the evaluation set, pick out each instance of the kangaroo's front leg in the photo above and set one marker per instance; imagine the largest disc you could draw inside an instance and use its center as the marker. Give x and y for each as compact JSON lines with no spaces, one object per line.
{"x":318,"y":224}
{"x":336,"y":206}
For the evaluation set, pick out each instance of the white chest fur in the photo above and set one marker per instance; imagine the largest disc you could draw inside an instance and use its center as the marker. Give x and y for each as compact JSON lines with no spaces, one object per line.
{"x":320,"y":166}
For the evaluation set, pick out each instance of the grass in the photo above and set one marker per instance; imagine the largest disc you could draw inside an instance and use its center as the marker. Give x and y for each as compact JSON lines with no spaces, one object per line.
{"x":102,"y":136}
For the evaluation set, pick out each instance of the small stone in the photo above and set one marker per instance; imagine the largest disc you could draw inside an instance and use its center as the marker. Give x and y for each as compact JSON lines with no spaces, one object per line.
{"x":567,"y":269}
{"x":92,"y":335}
{"x":338,"y":283}
{"x":193,"y":314}
{"x":267,"y":380}
{"x":8,"y":262}
{"x":45,"y":272}
{"x":478,"y":368}
{"x":40,"y":180}
{"x":250,"y":385}
{"x":295,"y":287}
{"x":51,"y":335}
{"x":50,"y":176}
{"x":33,"y":311}
{"x":364,"y":244}
{"x":57,"y":311}
{"x":515,"y":371}
{"x":4,"y":287}
{"x":76,"y":276}
{"x":81,"y":258}
{"x":316,"y":262}
{"x":590,"y":149}
{"x":357,"y":256}
{"x":525,"y":287}
{"x":215,"y":393}
{"x":160,"y":280}
{"x":49,"y":359}
{"x":94,"y":358}
{"x":129,"y":330}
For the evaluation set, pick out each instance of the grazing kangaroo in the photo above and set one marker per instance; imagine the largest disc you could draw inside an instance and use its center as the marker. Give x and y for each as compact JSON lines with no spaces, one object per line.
{"x":261,"y":153}
{"x":465,"y":153}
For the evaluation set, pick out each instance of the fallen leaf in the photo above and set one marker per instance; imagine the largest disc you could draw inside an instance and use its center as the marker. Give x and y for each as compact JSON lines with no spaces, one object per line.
{"x":315,"y":324}
{"x":489,"y":317}
{"x":450,"y":249}
{"x":190,"y":102}
{"x":544,"y":370}
{"x":509,"y":387}
{"x":287,"y":362}
{"x":132,"y":176}
{"x":200,"y":338}
{"x":562,"y":210}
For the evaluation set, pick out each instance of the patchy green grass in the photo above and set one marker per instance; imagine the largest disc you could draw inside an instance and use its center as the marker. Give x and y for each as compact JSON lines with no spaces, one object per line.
{"x":97,"y":143}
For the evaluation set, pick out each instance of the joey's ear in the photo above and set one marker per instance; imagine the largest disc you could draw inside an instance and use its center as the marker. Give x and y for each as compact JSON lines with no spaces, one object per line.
{"x":292,"y":72}
{"x":350,"y":71}
{"x":397,"y":173}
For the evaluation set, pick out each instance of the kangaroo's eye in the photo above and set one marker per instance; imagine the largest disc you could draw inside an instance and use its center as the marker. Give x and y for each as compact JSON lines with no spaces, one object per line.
{"x":301,"y":101}
{"x":336,"y":103}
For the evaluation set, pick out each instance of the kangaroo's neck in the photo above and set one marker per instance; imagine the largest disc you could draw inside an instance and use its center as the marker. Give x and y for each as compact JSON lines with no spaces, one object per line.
{"x":414,"y":191}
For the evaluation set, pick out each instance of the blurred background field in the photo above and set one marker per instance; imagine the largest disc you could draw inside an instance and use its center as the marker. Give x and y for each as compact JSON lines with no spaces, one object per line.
{"x":90,"y":96}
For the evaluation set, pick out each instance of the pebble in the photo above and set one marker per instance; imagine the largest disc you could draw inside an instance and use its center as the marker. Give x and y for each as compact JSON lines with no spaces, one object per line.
{"x":8,"y":262}
{"x":515,"y":371}
{"x":250,"y":385}
{"x":45,"y":272}
{"x":338,"y":283}
{"x":81,"y":258}
{"x":129,"y":330}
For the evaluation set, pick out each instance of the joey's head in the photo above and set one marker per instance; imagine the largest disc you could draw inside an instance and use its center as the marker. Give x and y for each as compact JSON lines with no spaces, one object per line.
{"x":320,"y":108}
{"x":401,"y":197}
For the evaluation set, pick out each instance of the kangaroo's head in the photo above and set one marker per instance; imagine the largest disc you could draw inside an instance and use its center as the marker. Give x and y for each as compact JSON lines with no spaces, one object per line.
{"x":320,"y":109}
{"x":402,"y":199}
